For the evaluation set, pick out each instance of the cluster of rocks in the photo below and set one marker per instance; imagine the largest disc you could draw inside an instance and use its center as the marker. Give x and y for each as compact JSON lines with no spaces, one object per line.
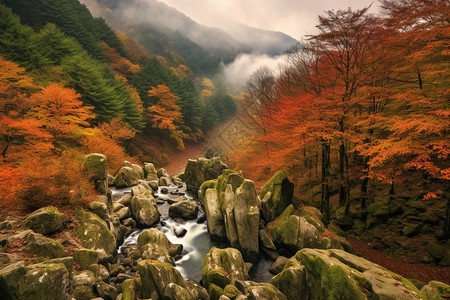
{"x":250,"y":222}
{"x":396,"y":226}
{"x":266,"y":221}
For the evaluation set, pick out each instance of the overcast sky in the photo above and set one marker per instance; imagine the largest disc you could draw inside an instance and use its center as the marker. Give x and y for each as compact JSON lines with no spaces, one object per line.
{"x":294,"y":17}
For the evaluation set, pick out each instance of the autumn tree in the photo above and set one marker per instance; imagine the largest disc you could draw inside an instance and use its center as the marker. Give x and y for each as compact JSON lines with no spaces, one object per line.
{"x":343,"y":43}
{"x":62,"y":113}
{"x":165,"y":114}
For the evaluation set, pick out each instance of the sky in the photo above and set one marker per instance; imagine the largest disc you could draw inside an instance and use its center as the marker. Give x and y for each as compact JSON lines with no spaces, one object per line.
{"x":294,"y":17}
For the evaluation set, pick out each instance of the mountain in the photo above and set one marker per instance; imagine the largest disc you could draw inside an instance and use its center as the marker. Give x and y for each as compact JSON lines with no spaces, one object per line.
{"x":157,"y":25}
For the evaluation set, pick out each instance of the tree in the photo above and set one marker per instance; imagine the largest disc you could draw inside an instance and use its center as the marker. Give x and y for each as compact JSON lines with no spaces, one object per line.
{"x":62,"y":113}
{"x":165,"y":114}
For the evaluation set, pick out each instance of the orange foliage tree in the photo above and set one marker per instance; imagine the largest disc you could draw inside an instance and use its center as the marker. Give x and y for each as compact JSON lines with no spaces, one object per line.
{"x":165,"y":114}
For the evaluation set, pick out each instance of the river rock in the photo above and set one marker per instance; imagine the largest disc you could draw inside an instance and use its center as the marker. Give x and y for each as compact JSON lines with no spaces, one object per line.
{"x":294,"y":230}
{"x":154,"y":245}
{"x":45,"y":220}
{"x":157,"y":280}
{"x":128,"y":175}
{"x":336,"y":274}
{"x":43,"y":246}
{"x":123,"y":213}
{"x":216,"y":225}
{"x":144,"y":210}
{"x":435,"y":290}
{"x":95,"y":234}
{"x":185,"y":209}
{"x":199,"y":170}
{"x":276,"y":196}
{"x":98,"y":208}
{"x":291,"y":281}
{"x":39,"y":281}
{"x":106,"y":291}
{"x":267,"y":245}
{"x":84,"y":285}
{"x":165,"y":181}
{"x":278,"y":265}
{"x":247,"y":219}
{"x":150,"y":172}
{"x":223,"y":267}
{"x":85,"y":257}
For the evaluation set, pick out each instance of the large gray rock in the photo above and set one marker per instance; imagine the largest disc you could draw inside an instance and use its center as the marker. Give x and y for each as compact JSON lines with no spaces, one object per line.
{"x":95,"y":165}
{"x":185,"y":209}
{"x":216,"y":225}
{"x":276,"y":196}
{"x":246,"y":213}
{"x":43,"y":246}
{"x":95,"y":234}
{"x":84,"y":285}
{"x":144,"y":210}
{"x":85,"y":257}
{"x":150,"y":172}
{"x":223,"y":267}
{"x":159,"y":280}
{"x":199,"y":170}
{"x":294,"y":230}
{"x":336,"y":274}
{"x":45,"y":220}
{"x":260,"y":291}
{"x":154,"y":245}
{"x":39,"y":281}
{"x":128,"y":175}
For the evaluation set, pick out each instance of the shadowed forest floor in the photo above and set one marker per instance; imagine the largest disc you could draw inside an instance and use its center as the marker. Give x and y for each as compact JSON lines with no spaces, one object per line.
{"x":410,"y":270}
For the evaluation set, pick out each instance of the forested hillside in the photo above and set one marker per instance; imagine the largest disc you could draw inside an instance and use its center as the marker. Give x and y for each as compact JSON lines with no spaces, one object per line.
{"x":359,"y":118}
{"x":72,"y":86}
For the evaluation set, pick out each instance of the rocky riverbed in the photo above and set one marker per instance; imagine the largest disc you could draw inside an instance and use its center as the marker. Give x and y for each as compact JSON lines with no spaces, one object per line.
{"x":150,"y":236}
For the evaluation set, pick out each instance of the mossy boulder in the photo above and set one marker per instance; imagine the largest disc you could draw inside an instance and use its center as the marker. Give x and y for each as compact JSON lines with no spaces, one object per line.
{"x":209,"y":184}
{"x":276,"y":194}
{"x":435,"y":290}
{"x":95,"y":234}
{"x":225,"y":265}
{"x":199,"y":170}
{"x":157,"y":280}
{"x":336,"y":274}
{"x":185,"y":209}
{"x":128,"y":175}
{"x":144,"y":210}
{"x":150,"y":172}
{"x":216,"y":225}
{"x":44,"y":246}
{"x":84,"y":285}
{"x":95,"y":165}
{"x":39,"y":281}
{"x":259,"y":290}
{"x":154,"y":245}
{"x":85,"y":257}
{"x":175,"y":292}
{"x":98,"y":208}
{"x":246,"y":213}
{"x":292,"y":280}
{"x":45,"y":220}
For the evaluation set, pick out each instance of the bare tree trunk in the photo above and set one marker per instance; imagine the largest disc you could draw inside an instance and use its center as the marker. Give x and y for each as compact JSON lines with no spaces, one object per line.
{"x":325,"y":195}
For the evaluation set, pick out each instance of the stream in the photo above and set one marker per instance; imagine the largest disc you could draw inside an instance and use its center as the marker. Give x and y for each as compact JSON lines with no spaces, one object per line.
{"x":191,"y":234}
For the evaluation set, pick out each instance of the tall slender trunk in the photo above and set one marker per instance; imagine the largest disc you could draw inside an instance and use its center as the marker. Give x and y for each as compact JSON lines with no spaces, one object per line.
{"x":446,"y":228}
{"x":365,"y":184}
{"x":325,"y":195}
{"x":347,"y":185}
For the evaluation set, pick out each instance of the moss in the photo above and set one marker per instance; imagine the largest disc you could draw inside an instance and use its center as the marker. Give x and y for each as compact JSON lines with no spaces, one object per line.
{"x":231,"y":291}
{"x":215,"y":291}
{"x":218,"y":277}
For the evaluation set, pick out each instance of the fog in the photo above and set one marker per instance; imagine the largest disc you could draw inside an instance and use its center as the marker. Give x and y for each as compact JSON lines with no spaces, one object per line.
{"x":237,"y":73}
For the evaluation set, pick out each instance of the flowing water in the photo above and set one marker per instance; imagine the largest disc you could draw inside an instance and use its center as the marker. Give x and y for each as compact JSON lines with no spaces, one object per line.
{"x":196,"y":242}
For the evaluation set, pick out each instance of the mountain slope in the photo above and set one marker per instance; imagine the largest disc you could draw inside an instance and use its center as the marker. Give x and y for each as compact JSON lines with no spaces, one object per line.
{"x":157,"y":25}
